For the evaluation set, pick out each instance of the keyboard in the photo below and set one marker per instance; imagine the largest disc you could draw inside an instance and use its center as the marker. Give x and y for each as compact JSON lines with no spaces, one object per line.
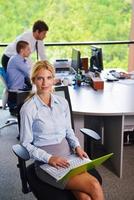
{"x":74,"y":161}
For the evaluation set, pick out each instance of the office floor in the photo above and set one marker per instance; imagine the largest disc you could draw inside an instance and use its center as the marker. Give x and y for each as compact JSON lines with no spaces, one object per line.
{"x":10,"y":188}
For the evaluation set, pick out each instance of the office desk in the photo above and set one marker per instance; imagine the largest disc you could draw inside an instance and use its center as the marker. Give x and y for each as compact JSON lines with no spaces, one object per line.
{"x":114,"y":106}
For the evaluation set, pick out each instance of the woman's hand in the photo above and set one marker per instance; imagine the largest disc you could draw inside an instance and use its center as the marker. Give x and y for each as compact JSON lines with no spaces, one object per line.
{"x":80,"y":152}
{"x":57,"y":161}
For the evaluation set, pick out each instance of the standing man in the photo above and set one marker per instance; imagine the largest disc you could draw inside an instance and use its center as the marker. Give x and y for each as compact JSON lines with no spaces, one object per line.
{"x":35,"y":39}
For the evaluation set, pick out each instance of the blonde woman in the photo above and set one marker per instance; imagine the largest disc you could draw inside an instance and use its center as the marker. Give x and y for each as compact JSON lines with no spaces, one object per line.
{"x":47,"y":134}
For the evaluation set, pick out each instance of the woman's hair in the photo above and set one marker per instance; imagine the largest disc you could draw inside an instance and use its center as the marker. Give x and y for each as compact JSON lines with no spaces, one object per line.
{"x":41,"y":65}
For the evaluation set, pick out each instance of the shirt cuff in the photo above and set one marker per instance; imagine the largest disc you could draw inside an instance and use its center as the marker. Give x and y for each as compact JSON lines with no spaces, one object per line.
{"x":47,"y":157}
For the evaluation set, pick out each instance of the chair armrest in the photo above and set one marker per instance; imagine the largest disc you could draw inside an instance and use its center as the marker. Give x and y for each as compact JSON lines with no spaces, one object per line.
{"x":23,"y":156}
{"x":92,"y":134}
{"x":21,"y":152}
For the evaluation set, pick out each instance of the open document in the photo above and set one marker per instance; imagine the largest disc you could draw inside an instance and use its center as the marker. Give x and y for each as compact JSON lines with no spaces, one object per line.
{"x":77,"y":166}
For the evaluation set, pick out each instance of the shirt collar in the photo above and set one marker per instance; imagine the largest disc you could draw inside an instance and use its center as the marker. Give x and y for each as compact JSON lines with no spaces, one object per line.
{"x":39,"y":103}
{"x":22,"y":58}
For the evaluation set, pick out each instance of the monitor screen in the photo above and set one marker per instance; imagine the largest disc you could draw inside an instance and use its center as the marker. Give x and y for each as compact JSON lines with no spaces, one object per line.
{"x":76,"y":59}
{"x":96,"y":60}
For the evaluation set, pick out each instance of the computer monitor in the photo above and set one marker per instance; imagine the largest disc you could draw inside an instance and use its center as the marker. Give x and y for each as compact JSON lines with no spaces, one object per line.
{"x":96,"y":60}
{"x":76,"y":59}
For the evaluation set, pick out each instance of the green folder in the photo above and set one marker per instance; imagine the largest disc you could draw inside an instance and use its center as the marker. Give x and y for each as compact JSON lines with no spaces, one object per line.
{"x":85,"y":167}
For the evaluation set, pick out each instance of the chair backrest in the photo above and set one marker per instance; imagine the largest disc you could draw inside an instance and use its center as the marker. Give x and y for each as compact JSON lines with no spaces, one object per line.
{"x":5,"y":91}
{"x":59,"y":90}
{"x":3,"y":76}
{"x":64,"y":92}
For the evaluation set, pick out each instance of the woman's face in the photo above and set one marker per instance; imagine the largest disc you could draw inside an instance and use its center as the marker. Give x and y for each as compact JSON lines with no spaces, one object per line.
{"x":44,"y":81}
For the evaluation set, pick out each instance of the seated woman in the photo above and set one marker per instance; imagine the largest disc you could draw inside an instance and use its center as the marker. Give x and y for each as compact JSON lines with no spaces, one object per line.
{"x":47,"y":134}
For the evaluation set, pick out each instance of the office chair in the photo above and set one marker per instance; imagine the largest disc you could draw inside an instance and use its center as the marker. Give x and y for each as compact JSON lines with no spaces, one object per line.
{"x":29,"y":180}
{"x":11,"y":99}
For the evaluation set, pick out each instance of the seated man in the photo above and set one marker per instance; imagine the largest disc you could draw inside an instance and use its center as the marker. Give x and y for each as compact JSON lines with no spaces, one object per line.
{"x":17,"y":69}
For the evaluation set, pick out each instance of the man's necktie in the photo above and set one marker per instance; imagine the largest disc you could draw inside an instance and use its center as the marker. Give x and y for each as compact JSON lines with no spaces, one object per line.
{"x":36,"y":47}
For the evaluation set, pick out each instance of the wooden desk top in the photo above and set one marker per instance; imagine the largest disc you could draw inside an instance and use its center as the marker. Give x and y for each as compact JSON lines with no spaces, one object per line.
{"x":115,"y":99}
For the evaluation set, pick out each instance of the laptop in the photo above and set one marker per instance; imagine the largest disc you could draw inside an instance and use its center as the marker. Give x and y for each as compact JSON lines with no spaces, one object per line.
{"x":77,"y":166}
